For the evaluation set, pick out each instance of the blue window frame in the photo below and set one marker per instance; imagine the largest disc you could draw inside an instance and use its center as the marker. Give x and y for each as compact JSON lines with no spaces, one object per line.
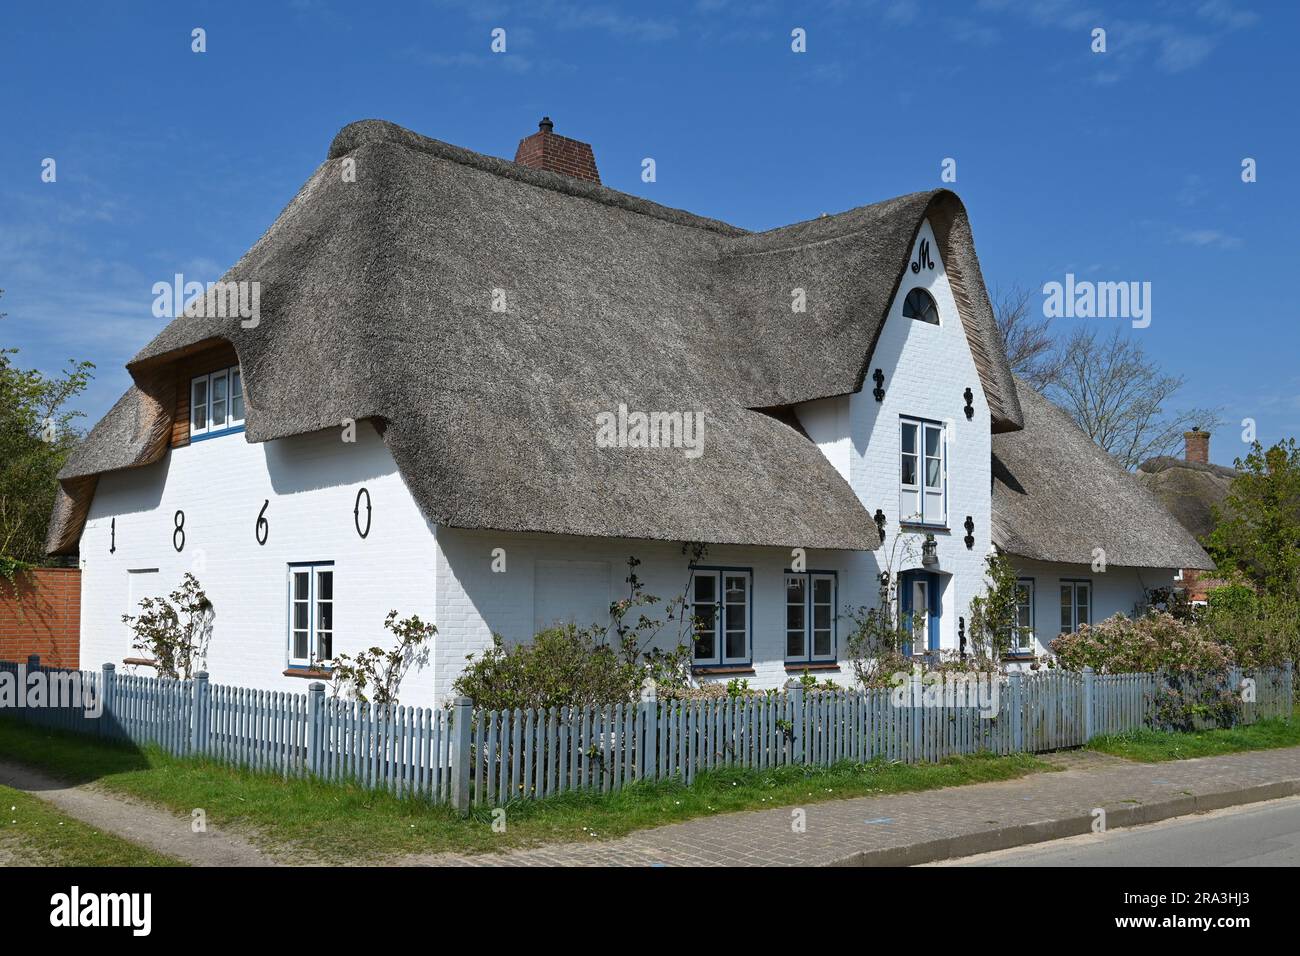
{"x":311,"y":613}
{"x":216,"y":404}
{"x":810,"y":619}
{"x":722,"y":603}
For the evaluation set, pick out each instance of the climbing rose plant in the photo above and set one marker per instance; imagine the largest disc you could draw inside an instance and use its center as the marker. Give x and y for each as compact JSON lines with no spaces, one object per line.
{"x":379,"y":672}
{"x":174,"y":631}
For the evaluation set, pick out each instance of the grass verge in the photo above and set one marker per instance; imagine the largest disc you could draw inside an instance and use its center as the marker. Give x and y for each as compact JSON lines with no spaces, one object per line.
{"x":1151,"y":746}
{"x":33,"y":833}
{"x":312,"y":820}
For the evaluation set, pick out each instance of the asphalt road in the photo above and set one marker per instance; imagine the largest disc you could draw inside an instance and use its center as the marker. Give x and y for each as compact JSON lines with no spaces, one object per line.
{"x":1261,"y":834}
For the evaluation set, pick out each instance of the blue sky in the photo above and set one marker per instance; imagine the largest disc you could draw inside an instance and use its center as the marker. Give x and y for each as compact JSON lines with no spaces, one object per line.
{"x":1123,"y":165}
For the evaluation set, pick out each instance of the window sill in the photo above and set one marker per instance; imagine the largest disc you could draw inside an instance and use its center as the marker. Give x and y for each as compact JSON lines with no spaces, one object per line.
{"x":313,"y":673}
{"x":925,"y":526}
{"x":710,"y":670}
{"x":204,"y":436}
{"x":812,"y":665}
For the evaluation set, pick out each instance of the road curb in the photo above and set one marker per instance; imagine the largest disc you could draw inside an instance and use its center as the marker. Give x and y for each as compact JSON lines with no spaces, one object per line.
{"x":1027,"y":834}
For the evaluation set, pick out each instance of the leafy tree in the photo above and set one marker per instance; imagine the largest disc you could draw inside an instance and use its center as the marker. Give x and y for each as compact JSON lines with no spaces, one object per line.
{"x":37,"y":434}
{"x":1257,"y":530}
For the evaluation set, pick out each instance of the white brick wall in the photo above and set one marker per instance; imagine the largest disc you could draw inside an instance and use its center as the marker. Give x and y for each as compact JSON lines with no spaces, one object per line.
{"x":311,"y":482}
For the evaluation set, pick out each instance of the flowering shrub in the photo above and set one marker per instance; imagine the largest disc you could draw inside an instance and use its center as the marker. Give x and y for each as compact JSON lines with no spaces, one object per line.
{"x":1150,"y":642}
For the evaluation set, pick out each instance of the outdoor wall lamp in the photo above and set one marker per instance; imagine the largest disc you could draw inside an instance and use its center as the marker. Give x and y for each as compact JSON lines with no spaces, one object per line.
{"x":930,"y":551}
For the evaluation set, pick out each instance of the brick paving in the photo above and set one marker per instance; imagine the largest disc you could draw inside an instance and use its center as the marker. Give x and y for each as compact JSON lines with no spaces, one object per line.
{"x":936,"y":823}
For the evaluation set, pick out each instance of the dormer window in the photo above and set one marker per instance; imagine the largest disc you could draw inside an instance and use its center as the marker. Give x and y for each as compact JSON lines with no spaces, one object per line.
{"x":920,"y":305}
{"x":216,"y":403}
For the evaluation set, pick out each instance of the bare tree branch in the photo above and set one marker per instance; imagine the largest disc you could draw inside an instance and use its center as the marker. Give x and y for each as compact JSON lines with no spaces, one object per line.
{"x":1120,"y":397}
{"x":1028,"y":340}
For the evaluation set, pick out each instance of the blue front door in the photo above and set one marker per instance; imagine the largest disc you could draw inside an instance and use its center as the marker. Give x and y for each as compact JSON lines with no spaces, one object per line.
{"x":920,"y":602}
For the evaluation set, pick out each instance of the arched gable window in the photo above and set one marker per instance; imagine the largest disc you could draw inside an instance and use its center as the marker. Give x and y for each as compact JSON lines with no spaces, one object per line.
{"x":919,"y":304}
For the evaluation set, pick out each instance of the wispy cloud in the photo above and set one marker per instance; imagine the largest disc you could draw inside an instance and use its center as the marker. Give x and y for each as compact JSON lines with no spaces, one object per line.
{"x":1223,"y":13}
{"x":573,"y":16}
{"x":1173,"y":45}
{"x":1211,"y":238}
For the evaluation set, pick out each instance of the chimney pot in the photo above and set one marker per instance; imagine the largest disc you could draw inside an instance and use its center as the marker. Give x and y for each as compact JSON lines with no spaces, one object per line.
{"x":1197,"y":446}
{"x":546,"y":126}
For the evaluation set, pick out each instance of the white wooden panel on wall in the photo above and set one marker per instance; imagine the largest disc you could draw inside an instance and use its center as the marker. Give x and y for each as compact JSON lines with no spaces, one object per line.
{"x":571,"y":592}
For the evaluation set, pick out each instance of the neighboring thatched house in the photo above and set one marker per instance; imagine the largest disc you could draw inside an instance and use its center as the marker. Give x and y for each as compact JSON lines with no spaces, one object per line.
{"x":1191,"y":488}
{"x":472,"y":389}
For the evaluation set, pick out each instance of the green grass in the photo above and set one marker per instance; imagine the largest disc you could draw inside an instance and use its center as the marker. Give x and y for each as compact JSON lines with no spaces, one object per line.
{"x":310,"y":820}
{"x":1150,"y":746}
{"x":33,"y":833}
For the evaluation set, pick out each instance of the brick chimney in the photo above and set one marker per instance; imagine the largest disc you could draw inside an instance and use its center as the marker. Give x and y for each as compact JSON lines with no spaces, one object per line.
{"x":557,"y":154}
{"x":1198,"y":446}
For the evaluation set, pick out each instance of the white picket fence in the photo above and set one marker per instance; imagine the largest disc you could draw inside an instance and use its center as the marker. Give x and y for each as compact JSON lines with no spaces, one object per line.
{"x":488,"y":757}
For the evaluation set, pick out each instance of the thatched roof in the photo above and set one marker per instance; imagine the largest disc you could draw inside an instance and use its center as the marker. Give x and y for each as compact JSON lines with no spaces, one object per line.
{"x":1189,"y":489}
{"x":1057,"y":496}
{"x":375,"y":303}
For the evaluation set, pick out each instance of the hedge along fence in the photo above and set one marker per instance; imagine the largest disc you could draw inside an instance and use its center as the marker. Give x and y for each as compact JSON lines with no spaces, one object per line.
{"x":465,"y":756}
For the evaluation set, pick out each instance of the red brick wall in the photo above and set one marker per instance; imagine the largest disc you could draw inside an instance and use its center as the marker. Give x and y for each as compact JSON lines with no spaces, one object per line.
{"x":42,"y":615}
{"x":558,"y":154}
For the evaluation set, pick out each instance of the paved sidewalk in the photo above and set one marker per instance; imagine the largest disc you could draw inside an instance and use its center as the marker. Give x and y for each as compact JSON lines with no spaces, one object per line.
{"x":912,"y":828}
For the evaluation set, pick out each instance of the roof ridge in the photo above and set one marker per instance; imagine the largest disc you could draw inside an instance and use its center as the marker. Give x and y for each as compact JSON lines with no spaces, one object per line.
{"x":376,"y":131}
{"x":773,"y":236}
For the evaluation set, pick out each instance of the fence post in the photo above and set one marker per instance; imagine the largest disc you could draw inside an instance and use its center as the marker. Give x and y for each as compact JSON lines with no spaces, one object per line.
{"x":199,"y":715}
{"x":1089,"y":704}
{"x":107,"y":702}
{"x":1017,"y":712}
{"x":1288,"y":688}
{"x":315,"y":717}
{"x":649,"y":730}
{"x":462,"y":715}
{"x":795,"y":692}
{"x":916,"y":697}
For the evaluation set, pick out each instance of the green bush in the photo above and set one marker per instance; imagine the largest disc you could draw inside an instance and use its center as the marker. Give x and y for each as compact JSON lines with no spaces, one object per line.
{"x":1260,"y":630}
{"x":571,"y":666}
{"x":563,"y":666}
